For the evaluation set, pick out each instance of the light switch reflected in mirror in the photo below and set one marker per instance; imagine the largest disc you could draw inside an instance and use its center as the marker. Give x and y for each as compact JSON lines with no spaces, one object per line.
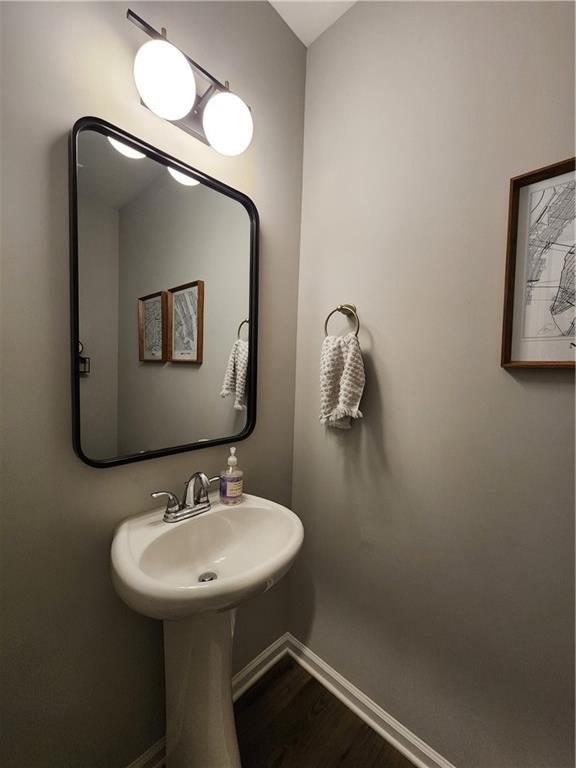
{"x":164,"y":272}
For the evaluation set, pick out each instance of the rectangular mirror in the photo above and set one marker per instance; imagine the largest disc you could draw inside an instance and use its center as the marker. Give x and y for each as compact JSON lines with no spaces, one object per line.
{"x":164,"y":282}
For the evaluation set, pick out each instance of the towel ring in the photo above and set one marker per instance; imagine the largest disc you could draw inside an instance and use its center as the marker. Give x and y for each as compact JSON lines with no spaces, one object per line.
{"x":345,"y":309}
{"x":244,"y":322}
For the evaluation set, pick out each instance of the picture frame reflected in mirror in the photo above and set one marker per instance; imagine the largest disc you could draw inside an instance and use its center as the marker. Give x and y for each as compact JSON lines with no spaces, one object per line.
{"x":153,"y":328}
{"x":186,"y":323}
{"x":171,"y":325}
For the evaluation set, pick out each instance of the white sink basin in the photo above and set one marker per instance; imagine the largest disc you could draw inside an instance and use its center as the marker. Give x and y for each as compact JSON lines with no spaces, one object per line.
{"x":156,"y":567}
{"x":248,"y":547}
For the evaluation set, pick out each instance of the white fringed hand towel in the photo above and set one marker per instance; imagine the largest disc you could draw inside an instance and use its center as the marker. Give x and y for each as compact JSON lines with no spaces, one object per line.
{"x":341,"y":380}
{"x":235,"y":376}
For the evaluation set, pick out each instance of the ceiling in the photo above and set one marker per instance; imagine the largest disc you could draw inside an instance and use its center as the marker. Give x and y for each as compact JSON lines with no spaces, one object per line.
{"x":309,"y":19}
{"x":107,"y":175}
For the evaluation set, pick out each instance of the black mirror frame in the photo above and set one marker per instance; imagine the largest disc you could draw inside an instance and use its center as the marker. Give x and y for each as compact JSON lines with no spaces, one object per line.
{"x":107,"y":129}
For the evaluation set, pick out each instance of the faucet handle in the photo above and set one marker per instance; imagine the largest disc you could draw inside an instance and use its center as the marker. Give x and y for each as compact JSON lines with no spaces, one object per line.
{"x":172,"y":504}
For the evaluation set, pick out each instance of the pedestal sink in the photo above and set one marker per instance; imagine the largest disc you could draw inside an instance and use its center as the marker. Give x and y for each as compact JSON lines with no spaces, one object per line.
{"x":192,"y":575}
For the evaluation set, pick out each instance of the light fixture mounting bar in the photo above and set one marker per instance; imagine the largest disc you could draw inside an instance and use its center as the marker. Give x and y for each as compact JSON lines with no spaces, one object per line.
{"x":214,"y":112}
{"x":155,"y":35}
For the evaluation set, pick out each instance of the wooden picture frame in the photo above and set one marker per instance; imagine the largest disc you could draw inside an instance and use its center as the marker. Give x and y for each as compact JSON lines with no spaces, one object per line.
{"x":153,"y":328}
{"x":186,"y":323}
{"x":538,"y":321}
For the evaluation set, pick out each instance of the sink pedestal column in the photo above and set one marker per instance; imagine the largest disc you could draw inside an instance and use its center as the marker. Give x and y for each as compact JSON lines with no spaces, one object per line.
{"x":200,"y":727}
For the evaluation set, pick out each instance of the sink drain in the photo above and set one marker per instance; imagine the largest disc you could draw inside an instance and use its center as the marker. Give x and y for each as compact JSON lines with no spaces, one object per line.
{"x":208,"y":576}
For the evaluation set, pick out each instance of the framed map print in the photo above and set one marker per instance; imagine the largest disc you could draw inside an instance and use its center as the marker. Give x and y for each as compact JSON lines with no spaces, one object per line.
{"x":152,"y":328}
{"x":539,"y":296}
{"x":186,"y":323}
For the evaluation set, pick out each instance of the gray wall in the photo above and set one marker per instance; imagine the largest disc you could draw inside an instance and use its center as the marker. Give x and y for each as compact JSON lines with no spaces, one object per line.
{"x":98,"y":292}
{"x":437,"y":573}
{"x":82,"y":674}
{"x":171,"y":234}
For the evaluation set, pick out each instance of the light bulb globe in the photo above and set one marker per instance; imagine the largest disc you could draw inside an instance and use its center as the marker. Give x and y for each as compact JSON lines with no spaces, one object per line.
{"x":183,"y":178}
{"x":125,"y":150}
{"x":164,"y":79}
{"x":228,"y":124}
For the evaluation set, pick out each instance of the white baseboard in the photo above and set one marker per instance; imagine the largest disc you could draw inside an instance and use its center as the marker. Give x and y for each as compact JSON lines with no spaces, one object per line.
{"x":152,"y":758}
{"x":402,"y":739}
{"x":260,"y":665}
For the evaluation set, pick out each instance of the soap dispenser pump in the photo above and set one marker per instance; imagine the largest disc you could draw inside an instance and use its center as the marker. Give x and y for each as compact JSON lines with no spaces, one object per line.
{"x":231,"y":481}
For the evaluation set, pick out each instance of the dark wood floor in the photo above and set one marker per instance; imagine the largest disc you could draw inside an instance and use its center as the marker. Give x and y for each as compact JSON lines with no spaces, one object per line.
{"x":289,"y":720}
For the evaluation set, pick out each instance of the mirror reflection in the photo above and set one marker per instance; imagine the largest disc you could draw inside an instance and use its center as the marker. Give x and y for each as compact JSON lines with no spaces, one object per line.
{"x":163,"y":264}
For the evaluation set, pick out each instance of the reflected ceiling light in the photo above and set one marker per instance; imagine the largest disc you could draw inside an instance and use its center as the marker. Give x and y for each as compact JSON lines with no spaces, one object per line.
{"x":125,"y":150}
{"x":183,"y":178}
{"x":164,"y":79}
{"x":228,"y":124}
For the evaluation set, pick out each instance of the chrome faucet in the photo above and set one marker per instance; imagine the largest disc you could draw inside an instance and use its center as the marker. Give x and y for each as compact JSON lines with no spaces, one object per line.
{"x":194,"y":501}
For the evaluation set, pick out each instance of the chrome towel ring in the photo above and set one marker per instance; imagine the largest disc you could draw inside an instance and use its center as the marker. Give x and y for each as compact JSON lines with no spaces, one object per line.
{"x":346,"y":309}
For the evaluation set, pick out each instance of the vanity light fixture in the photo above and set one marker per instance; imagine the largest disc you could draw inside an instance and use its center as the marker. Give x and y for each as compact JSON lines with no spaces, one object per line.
{"x":166,"y":79}
{"x":228,"y":124}
{"x":125,"y":150}
{"x":183,"y":178}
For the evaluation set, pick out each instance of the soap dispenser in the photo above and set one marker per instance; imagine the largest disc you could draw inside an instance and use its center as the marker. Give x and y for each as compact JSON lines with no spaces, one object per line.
{"x":231,"y":481}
